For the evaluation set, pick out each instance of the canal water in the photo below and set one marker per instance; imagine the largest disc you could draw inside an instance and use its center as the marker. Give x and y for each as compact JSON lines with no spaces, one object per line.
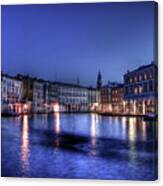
{"x":79,"y":146}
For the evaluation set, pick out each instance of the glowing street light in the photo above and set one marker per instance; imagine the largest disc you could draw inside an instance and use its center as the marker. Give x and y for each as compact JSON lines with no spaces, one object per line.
{"x":56,"y":107}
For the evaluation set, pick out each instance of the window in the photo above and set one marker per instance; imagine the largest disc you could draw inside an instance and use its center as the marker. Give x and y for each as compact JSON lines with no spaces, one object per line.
{"x":135,"y":78}
{"x":151,"y":86}
{"x":145,"y":87}
{"x":140,"y":89}
{"x":135,"y":90}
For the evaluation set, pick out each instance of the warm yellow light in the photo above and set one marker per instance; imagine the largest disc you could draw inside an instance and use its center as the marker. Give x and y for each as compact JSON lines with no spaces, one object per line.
{"x":140,"y":89}
{"x":136,"y":90}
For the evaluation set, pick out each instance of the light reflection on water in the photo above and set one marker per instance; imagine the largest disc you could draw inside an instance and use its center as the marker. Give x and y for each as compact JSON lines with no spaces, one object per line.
{"x":25,"y":145}
{"x":119,"y":130}
{"x":132,"y":130}
{"x":94,"y":123}
{"x":132,"y":138}
{"x":57,"y":129}
{"x":124,"y":127}
{"x":57,"y":123}
{"x":144,"y":131}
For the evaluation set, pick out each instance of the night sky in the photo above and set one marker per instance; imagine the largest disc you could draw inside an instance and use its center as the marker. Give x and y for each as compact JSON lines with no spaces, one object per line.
{"x":66,"y":41}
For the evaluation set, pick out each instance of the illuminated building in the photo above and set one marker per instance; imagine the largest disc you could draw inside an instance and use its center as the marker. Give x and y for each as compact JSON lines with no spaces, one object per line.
{"x":117,"y":97}
{"x":93,"y":99}
{"x":140,"y":87}
{"x":106,"y":97}
{"x":11,"y":93}
{"x":72,"y":97}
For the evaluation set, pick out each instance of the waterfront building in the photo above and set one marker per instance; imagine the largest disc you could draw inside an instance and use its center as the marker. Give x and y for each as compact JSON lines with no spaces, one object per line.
{"x":72,"y":98}
{"x":11,"y":94}
{"x":52,"y":99}
{"x":40,"y":95}
{"x":93,"y":99}
{"x":117,"y":97}
{"x":140,"y":87}
{"x":106,"y":97}
{"x":27,"y":92}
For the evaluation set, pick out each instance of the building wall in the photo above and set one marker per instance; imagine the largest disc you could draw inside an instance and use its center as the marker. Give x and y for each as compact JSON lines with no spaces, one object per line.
{"x":53,"y":97}
{"x":105,"y":99}
{"x":141,"y":90}
{"x":72,"y":98}
{"x":38,"y":97}
{"x":11,"y":92}
{"x":117,"y":99}
{"x":93,"y":99}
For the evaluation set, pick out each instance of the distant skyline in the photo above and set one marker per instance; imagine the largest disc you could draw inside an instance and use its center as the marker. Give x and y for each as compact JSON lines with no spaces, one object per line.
{"x":66,"y":42}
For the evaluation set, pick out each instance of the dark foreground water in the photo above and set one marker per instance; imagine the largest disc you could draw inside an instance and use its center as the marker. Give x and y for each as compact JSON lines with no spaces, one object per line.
{"x":79,"y":146}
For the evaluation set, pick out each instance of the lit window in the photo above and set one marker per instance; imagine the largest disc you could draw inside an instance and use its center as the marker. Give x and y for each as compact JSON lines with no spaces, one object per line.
{"x":140,"y":77}
{"x":130,"y":80}
{"x":145,"y":76}
{"x":140,"y":89}
{"x":135,"y":90}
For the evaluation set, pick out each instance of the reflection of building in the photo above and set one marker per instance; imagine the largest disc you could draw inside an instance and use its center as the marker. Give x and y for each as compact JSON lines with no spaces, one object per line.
{"x":141,"y":90}
{"x":11,"y":93}
{"x":117,"y":99}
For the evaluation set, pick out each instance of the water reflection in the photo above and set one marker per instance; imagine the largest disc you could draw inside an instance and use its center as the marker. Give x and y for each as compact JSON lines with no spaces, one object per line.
{"x":94,"y":122}
{"x":132,"y":134}
{"x":132,"y":130}
{"x":57,"y":128}
{"x":143,"y":131}
{"x":124,"y":120}
{"x":112,"y":147}
{"x":25,"y":145}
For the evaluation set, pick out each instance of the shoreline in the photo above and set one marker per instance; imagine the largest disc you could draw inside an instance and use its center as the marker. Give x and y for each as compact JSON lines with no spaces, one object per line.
{"x":102,"y":114}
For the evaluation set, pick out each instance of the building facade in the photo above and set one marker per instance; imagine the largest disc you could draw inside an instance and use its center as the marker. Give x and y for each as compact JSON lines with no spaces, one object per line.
{"x":40,"y":97}
{"x":140,"y":87}
{"x":72,"y":98}
{"x":117,"y":97}
{"x":11,"y":94}
{"x":93,"y":99}
{"x":106,"y":97}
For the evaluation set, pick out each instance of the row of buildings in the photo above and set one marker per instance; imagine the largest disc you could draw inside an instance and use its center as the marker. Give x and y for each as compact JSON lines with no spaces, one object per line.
{"x":24,"y":94}
{"x":137,"y":95}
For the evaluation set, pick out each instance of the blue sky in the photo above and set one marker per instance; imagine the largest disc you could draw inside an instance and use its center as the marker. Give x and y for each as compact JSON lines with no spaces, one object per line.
{"x":61,"y":42}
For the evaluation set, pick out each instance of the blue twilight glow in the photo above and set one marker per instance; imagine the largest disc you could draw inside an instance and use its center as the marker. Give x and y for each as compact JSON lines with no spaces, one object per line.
{"x":61,"y":42}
